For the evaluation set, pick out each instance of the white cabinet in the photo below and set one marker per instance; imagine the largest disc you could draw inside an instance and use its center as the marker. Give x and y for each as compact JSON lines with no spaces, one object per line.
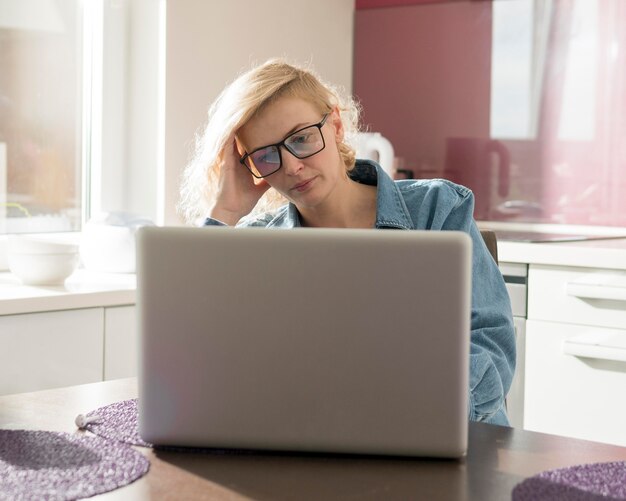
{"x":120,"y":342}
{"x":576,"y":353}
{"x":47,"y":350}
{"x":576,"y":396}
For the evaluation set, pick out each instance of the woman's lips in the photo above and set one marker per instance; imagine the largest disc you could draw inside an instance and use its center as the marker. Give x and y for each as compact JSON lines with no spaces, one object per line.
{"x":303,"y":186}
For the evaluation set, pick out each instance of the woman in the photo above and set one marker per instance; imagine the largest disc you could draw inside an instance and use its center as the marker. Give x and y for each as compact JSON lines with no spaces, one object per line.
{"x":275,"y":154}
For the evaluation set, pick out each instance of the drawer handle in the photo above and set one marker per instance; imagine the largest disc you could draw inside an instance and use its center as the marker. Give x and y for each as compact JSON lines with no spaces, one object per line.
{"x":601,"y":346}
{"x":593,"y":291}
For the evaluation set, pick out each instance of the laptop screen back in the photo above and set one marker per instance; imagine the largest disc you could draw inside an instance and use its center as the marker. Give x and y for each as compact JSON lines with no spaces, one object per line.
{"x":322,"y":340}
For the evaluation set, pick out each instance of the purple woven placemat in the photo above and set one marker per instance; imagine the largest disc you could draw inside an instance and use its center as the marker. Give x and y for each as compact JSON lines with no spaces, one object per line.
{"x":36,"y":465}
{"x":118,"y":421}
{"x":588,"y":482}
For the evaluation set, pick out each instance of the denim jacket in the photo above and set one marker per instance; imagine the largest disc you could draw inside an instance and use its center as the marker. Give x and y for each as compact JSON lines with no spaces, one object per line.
{"x":438,"y":204}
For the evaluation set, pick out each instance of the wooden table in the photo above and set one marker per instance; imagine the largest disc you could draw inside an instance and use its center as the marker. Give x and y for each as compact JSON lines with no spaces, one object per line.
{"x":498,"y":459}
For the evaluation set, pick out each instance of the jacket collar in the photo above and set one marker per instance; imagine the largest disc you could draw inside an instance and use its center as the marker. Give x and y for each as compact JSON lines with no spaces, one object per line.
{"x":391,"y":211}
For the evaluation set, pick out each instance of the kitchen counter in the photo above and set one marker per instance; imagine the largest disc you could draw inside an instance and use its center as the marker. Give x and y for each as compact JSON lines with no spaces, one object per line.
{"x":607,"y":253}
{"x":83,"y":289}
{"x":86,"y":289}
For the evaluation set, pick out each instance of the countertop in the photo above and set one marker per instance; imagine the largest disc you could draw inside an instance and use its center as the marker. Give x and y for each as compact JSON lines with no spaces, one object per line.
{"x":607,"y":253}
{"x":86,"y":289}
{"x":83,"y":289}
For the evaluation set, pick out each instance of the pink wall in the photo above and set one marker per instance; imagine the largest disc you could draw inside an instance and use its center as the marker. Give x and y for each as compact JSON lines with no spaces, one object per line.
{"x":375,"y":4}
{"x":422,"y":72}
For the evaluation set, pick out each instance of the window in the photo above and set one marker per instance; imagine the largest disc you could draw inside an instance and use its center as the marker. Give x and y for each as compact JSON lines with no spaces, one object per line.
{"x":521,"y":31}
{"x":512,"y":70}
{"x":42,"y":143}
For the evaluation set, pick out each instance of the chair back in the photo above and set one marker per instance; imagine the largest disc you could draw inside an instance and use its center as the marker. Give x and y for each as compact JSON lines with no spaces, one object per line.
{"x":489,"y":236}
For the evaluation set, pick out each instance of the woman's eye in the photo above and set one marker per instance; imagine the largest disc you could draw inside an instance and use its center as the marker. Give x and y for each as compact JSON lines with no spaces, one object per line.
{"x":301,"y":138}
{"x":269,"y":157}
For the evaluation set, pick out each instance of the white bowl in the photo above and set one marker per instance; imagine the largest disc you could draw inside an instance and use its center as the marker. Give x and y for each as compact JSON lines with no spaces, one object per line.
{"x":36,"y":261}
{"x":40,"y":244}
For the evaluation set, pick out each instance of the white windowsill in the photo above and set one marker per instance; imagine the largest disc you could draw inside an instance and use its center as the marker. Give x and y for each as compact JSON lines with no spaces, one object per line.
{"x":84,"y":289}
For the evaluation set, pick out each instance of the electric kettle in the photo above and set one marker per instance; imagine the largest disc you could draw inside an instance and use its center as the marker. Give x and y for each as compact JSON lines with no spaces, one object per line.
{"x":481,"y":164}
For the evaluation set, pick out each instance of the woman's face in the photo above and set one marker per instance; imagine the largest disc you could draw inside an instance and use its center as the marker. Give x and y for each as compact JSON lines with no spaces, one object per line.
{"x":306,"y":182}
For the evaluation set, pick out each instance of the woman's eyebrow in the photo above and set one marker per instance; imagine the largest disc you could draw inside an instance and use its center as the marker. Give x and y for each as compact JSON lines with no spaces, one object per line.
{"x":295,"y":128}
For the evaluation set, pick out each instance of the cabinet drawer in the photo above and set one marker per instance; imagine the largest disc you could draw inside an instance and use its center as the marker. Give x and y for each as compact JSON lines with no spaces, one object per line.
{"x":575,"y":380}
{"x":581,"y":296}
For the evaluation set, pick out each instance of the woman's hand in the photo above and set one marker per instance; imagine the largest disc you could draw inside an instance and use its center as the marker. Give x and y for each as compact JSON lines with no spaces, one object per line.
{"x":237,"y":191}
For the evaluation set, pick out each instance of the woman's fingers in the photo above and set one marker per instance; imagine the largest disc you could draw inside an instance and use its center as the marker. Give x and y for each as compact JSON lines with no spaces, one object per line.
{"x":238,"y":192}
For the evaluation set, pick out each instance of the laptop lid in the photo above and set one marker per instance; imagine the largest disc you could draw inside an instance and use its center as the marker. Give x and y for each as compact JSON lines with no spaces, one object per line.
{"x":321,"y":340}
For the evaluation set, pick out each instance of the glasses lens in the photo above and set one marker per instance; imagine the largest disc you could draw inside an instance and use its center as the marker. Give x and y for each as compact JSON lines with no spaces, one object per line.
{"x":265,"y":161}
{"x":305,"y":142}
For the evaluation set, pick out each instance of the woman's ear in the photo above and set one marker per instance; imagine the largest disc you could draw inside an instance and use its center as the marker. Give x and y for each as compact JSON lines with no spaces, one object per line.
{"x":337,"y":123}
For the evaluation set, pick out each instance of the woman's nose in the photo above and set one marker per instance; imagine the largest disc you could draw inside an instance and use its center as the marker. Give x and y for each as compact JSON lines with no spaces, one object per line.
{"x":291,"y":164}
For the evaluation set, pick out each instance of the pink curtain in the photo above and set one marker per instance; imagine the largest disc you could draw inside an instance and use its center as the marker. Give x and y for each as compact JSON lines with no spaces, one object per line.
{"x":583,"y":180}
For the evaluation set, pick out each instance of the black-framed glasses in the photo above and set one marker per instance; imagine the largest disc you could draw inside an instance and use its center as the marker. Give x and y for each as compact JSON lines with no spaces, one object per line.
{"x":302,"y":143}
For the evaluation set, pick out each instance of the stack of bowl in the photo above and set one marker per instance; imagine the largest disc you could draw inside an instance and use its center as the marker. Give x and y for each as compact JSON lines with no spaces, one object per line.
{"x":41,"y":260}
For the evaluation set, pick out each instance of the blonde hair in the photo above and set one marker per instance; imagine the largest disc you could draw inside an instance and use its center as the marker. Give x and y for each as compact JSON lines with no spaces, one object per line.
{"x":244,"y":98}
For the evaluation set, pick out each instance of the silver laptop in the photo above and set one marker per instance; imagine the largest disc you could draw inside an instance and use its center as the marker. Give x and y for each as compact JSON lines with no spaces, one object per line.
{"x":317,"y":340}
